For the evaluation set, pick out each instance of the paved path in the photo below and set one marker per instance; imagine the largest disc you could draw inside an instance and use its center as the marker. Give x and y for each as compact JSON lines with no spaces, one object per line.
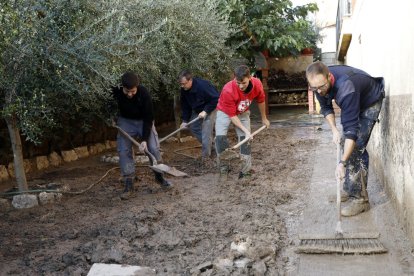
{"x":319,"y":217}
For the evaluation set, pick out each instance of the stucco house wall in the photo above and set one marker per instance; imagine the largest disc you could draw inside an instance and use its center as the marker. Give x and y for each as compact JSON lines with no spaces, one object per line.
{"x":383,"y":45}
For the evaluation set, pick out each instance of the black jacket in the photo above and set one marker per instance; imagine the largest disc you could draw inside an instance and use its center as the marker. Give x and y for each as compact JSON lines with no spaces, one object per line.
{"x":139,"y":107}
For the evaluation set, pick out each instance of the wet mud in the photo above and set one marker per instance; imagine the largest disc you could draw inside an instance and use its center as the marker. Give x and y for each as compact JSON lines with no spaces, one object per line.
{"x":203,"y":226}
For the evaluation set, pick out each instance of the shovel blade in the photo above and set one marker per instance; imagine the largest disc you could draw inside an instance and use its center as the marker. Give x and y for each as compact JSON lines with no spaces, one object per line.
{"x":162,"y":168}
{"x":229,"y":155}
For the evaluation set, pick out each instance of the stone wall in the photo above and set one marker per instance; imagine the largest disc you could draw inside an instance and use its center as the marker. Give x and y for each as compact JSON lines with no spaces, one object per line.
{"x":55,"y":159}
{"x":72,"y":144}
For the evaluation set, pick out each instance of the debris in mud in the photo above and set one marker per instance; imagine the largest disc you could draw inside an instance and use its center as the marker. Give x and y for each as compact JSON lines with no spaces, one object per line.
{"x":173,"y":232}
{"x":99,"y":269}
{"x":5,"y":205}
{"x":24,"y":201}
{"x":245,"y":257}
{"x":47,"y":198}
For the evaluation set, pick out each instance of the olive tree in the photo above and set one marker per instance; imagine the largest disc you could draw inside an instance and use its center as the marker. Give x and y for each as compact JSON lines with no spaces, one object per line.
{"x":59,"y":58}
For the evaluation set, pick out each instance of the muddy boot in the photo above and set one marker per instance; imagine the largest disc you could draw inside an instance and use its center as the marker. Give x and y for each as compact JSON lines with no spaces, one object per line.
{"x":164,"y":183}
{"x":244,"y":178}
{"x":355,"y":207}
{"x":344,"y":197}
{"x":128,"y":189}
{"x":245,"y":175}
{"x":224,"y":172}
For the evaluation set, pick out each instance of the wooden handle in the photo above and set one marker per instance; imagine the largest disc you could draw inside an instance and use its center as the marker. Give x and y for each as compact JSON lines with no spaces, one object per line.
{"x":152,"y":157}
{"x":248,"y":138}
{"x":128,"y":136}
{"x":338,"y":184}
{"x":178,"y":130}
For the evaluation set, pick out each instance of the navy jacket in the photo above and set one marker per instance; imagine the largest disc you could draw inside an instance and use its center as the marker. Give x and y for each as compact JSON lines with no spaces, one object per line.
{"x":139,"y":107}
{"x":354,"y":91}
{"x":202,"y":96}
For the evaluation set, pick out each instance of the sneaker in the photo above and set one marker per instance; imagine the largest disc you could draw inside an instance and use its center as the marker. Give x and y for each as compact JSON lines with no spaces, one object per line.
{"x":128,"y":190}
{"x":355,"y":207}
{"x":344,"y":197}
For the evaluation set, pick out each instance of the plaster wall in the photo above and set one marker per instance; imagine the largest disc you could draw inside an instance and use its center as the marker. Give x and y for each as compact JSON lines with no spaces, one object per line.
{"x":383,"y":45}
{"x":325,"y":19}
{"x":328,"y":43}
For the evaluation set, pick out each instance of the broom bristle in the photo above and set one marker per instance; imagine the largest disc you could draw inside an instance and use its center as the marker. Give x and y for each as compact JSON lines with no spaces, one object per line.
{"x":341,"y":246}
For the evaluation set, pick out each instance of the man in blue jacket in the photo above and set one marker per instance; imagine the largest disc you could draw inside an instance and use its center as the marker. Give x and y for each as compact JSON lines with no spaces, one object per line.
{"x":199,"y":99}
{"x":360,"y":98}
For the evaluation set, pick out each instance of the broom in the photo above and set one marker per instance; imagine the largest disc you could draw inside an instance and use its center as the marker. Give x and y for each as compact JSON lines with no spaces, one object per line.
{"x":353,"y":243}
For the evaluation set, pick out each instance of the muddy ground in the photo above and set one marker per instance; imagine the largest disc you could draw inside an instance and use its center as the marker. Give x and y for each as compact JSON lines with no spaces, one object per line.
{"x":182,"y":231}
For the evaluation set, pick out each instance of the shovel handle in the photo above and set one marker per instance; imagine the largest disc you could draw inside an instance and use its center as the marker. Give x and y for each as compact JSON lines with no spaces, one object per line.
{"x":151,"y":157}
{"x":178,"y":130}
{"x":153,"y":160}
{"x":247,"y":138}
{"x":127,"y":136}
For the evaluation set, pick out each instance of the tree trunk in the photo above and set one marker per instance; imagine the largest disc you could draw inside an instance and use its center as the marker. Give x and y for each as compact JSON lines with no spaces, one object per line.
{"x":177,"y":112}
{"x":17,"y":152}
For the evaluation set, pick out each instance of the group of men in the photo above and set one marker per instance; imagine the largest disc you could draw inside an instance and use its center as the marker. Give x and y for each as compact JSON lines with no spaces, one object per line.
{"x":199,"y":98}
{"x":357,"y":94}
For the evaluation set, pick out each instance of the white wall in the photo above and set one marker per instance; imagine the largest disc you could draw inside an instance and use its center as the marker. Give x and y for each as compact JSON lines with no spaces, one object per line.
{"x":325,"y":19}
{"x":383,"y":45}
{"x":328,"y":43}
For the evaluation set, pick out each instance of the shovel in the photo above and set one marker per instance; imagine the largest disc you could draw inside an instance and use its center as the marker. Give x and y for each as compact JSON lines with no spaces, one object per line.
{"x":230,"y":153}
{"x":179,"y":129}
{"x":161,"y":168}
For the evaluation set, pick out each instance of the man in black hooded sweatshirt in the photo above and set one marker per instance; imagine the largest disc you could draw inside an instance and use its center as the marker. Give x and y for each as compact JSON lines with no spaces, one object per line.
{"x":136,"y":117}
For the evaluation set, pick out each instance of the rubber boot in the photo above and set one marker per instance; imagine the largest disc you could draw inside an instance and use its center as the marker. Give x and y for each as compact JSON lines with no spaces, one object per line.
{"x":128,"y":188}
{"x":164,"y":183}
{"x":246,"y":166}
{"x":222,"y":144}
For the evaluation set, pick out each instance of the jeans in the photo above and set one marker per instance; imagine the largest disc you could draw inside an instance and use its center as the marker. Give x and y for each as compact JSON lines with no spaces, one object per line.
{"x":358,"y":163}
{"x":134,"y":128}
{"x":203,"y":131}
{"x":222,"y":125}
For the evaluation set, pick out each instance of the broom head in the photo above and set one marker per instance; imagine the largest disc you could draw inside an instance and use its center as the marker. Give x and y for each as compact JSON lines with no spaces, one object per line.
{"x":356,"y":243}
